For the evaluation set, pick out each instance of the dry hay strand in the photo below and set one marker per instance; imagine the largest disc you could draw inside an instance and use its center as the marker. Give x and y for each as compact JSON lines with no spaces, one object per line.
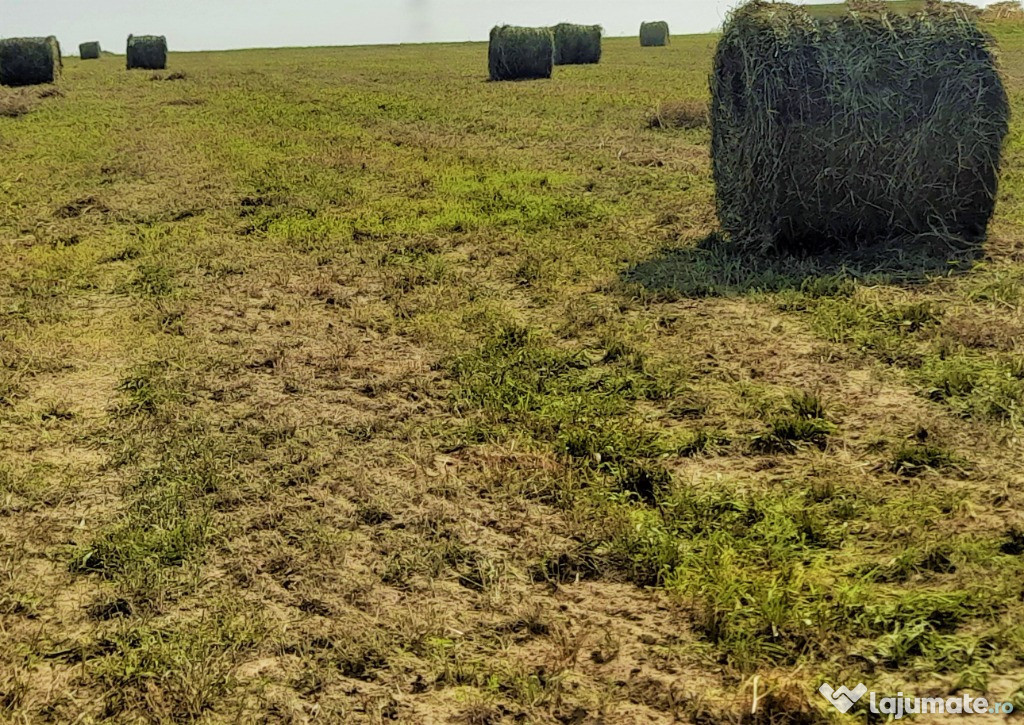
{"x":686,"y":114}
{"x":148,"y":52}
{"x":939,"y":7}
{"x":866,"y":6}
{"x":654,"y":34}
{"x":854,"y":130}
{"x":517,"y":53}
{"x":89,"y":51}
{"x":1008,"y":10}
{"x":29,"y":61}
{"x":14,"y":104}
{"x":577,"y":44}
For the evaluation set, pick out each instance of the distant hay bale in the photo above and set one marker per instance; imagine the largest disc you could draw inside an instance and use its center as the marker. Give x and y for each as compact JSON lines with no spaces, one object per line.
{"x":89,"y":51}
{"x":654,"y":34}
{"x":855,"y":129}
{"x":148,"y":52}
{"x":577,"y":44}
{"x":1008,"y":10}
{"x":520,"y":53}
{"x":29,"y":61}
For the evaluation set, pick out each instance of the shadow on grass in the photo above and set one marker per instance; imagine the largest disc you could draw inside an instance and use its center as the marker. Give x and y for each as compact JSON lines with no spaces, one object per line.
{"x":714,"y":267}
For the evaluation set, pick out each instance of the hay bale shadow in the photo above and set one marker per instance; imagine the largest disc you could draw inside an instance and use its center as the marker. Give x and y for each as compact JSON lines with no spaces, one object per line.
{"x":716,"y":267}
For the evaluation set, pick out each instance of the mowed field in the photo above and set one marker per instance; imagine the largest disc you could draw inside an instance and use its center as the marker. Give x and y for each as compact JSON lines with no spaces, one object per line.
{"x":343,"y":385}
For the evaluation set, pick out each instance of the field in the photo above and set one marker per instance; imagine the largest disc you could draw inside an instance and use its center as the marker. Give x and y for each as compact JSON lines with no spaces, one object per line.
{"x":342,"y":385}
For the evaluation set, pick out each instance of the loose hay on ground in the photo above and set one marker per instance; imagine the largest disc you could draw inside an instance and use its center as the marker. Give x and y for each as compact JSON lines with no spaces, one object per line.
{"x":654,"y":34}
{"x":686,"y":114}
{"x":29,"y":61}
{"x":517,"y":53}
{"x":148,"y":52}
{"x":854,"y":129}
{"x":577,"y":44}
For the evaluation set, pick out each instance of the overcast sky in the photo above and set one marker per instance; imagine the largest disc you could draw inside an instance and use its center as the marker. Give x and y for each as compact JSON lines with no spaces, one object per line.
{"x":222,"y":24}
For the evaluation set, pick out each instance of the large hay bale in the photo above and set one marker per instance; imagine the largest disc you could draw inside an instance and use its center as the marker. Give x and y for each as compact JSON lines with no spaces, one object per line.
{"x":654,"y":34}
{"x":854,"y":129}
{"x":520,"y":53}
{"x":148,"y":52}
{"x":89,"y":51}
{"x":577,"y":44}
{"x":29,"y":61}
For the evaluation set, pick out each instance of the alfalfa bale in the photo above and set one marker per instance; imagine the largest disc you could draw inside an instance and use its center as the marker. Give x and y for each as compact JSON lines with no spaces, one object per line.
{"x":29,"y":61}
{"x":89,"y":51}
{"x":577,"y":44}
{"x":148,"y":52}
{"x":654,"y":34}
{"x":856,"y":129}
{"x":517,"y":53}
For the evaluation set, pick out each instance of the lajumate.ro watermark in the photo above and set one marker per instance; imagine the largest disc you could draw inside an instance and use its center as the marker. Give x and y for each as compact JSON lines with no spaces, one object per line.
{"x":843,"y":699}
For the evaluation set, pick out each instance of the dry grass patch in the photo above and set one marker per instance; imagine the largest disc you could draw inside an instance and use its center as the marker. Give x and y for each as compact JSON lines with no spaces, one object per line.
{"x":467,"y":416}
{"x":688,"y":114}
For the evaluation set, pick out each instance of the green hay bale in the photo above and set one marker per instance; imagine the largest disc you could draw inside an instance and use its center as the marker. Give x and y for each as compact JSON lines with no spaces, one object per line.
{"x":654,"y":34}
{"x":856,"y":129}
{"x":148,"y":52}
{"x":29,"y":61}
{"x":89,"y":51}
{"x":577,"y":44}
{"x":520,"y":53}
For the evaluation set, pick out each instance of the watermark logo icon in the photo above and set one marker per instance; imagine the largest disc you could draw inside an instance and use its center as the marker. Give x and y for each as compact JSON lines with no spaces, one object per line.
{"x":844,"y":698}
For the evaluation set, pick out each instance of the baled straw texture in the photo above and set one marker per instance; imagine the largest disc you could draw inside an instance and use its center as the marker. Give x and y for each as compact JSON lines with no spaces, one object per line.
{"x":654,"y":34}
{"x":89,"y":51}
{"x":577,"y":44}
{"x":148,"y":52}
{"x":29,"y":61}
{"x":856,"y":129}
{"x":518,"y":53}
{"x":1006,"y":10}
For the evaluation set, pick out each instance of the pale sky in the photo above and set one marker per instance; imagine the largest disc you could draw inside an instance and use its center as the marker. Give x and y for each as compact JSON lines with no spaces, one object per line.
{"x":223,"y":24}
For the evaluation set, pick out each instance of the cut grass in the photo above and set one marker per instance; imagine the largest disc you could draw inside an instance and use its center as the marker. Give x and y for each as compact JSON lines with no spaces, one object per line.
{"x":409,"y":400}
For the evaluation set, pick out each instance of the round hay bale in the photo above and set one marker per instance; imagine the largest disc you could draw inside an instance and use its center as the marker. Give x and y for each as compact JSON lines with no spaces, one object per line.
{"x":655,"y":34}
{"x":89,"y":51}
{"x":854,"y":130}
{"x":577,"y":44}
{"x":518,"y":53}
{"x":148,"y":52}
{"x":29,"y":61}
